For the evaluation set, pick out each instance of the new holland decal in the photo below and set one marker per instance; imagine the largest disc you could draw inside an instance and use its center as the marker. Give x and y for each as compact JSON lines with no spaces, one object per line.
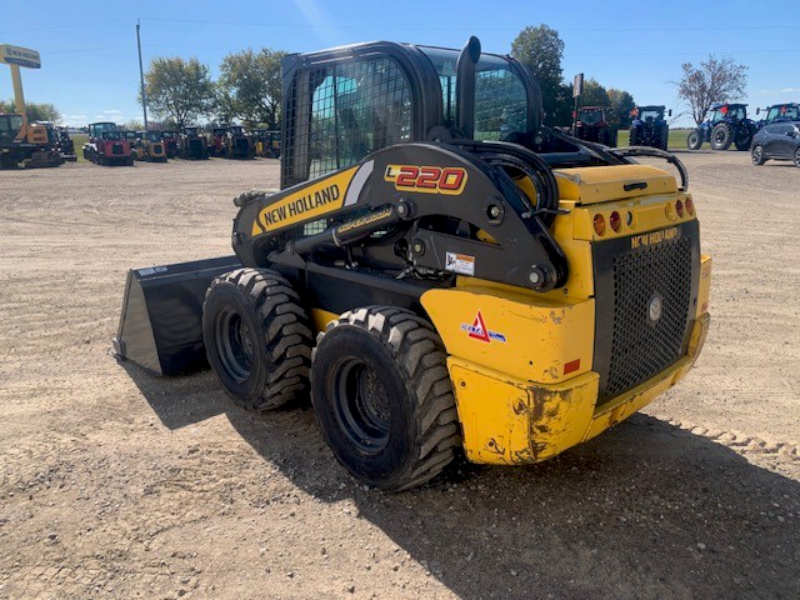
{"x":654,"y":237}
{"x":309,"y":202}
{"x":479,"y":331}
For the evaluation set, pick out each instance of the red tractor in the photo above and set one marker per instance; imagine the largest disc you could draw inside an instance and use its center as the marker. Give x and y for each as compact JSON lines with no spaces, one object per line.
{"x":216,"y":141}
{"x":107,"y":145}
{"x":591,"y":125}
{"x":171,"y":145}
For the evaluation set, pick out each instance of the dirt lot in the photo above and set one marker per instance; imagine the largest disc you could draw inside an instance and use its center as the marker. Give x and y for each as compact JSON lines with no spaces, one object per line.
{"x":114,"y":484}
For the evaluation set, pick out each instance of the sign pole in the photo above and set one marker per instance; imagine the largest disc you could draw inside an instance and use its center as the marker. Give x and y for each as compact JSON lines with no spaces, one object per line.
{"x":141,"y":74}
{"x":19,"y":98}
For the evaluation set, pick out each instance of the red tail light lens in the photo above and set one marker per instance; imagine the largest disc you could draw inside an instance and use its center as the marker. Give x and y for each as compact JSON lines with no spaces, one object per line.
{"x":599,"y":224}
{"x":615,"y":220}
{"x":690,"y":206}
{"x":679,"y":208}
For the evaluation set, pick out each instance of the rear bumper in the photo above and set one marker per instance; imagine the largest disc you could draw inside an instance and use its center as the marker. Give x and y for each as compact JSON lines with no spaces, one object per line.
{"x":510,"y":421}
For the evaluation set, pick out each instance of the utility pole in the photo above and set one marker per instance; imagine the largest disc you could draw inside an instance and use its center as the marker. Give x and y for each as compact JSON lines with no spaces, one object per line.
{"x":141,"y":73}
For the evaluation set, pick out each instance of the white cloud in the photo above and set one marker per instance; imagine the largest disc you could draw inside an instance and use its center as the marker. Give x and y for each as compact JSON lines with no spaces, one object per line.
{"x":112,"y":111}
{"x":317,"y":19}
{"x":789,"y":90}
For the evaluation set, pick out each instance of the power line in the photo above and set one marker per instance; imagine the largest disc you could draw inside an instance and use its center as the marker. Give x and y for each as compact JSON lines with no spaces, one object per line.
{"x":65,"y":26}
{"x":395,"y":27}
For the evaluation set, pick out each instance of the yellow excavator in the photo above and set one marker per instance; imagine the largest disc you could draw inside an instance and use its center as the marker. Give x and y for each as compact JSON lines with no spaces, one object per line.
{"x":26,"y":144}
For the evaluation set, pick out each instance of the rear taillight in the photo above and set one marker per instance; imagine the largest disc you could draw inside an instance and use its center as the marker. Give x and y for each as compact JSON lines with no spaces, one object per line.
{"x":615,"y":221}
{"x":679,"y":208}
{"x":599,"y":224}
{"x":690,"y":206}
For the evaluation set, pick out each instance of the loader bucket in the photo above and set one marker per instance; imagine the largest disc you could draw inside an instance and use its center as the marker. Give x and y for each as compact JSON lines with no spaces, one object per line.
{"x":160,"y":328}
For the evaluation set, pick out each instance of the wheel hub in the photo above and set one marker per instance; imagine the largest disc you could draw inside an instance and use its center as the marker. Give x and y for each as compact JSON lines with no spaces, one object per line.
{"x":362,"y":405}
{"x":234,"y":345}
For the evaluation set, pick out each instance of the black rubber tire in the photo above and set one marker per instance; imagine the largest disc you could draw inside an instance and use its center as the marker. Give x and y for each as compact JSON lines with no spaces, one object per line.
{"x":633,"y":137}
{"x":743,"y":139}
{"x":257,"y":338}
{"x":412,"y":432}
{"x":612,"y":137}
{"x":797,"y":157}
{"x":604,"y":137}
{"x":721,"y":136}
{"x":663,"y":137}
{"x":757,"y":155}
{"x":695,"y":140}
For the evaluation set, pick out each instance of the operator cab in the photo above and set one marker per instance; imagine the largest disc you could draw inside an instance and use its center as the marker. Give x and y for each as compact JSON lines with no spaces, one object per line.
{"x":345,"y":103}
{"x":10,"y":126}
{"x":96,"y":130}
{"x":737,"y":112}
{"x":591,"y":115}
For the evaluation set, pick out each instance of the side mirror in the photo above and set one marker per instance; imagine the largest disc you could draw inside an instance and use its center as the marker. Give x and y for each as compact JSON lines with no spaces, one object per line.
{"x":758,"y":111}
{"x":669,"y":112}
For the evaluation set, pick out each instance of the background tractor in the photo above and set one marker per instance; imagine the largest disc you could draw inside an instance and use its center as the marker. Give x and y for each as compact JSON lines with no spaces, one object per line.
{"x":26,"y":144}
{"x":591,"y":125}
{"x":217,"y":141}
{"x":649,"y":127}
{"x":193,"y":144}
{"x":150,"y":146}
{"x":267,"y":143}
{"x":789,"y":111}
{"x":429,"y":287}
{"x":171,"y":142}
{"x":238,"y":143}
{"x":65,"y":144}
{"x":108,"y":145}
{"x":726,"y":124}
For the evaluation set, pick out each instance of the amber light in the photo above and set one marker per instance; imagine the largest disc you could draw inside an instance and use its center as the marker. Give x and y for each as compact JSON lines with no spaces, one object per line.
{"x":615,"y":220}
{"x":679,"y":208}
{"x":690,"y":206}
{"x":599,"y":224}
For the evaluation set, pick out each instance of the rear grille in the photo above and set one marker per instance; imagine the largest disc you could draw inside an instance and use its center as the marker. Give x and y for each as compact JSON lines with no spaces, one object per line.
{"x":195,"y":145}
{"x":241,"y":145}
{"x":641,"y":347}
{"x":117,"y":149}
{"x":157,"y":149}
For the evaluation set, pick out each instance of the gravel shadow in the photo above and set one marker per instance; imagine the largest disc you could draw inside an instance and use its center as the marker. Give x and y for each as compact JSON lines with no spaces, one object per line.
{"x":662,"y":512}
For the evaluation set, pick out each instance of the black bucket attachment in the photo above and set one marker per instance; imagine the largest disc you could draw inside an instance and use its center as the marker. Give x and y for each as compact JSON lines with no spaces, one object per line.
{"x":160,"y":328}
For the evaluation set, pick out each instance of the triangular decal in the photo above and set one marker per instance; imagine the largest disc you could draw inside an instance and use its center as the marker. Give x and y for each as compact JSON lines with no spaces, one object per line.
{"x":478,"y":329}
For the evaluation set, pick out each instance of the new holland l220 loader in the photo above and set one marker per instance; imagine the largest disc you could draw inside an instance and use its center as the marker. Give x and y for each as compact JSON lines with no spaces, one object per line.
{"x":438,"y":271}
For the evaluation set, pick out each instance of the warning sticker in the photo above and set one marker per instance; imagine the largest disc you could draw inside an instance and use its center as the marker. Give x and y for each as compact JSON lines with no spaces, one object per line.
{"x":463,"y":264}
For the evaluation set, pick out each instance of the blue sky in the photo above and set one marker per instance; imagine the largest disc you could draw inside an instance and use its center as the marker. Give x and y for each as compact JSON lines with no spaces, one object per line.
{"x":90,"y":66}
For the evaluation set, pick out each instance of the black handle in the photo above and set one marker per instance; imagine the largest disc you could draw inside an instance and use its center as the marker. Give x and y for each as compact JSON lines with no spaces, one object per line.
{"x":639,"y":185}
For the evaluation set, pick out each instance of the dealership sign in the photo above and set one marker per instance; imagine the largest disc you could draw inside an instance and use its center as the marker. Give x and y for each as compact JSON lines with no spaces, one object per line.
{"x":23,"y":57}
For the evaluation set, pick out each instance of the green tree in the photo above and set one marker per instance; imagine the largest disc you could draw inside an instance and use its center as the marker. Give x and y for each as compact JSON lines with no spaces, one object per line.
{"x":251,"y":85}
{"x":715,"y":80}
{"x":179,"y":89}
{"x":225,"y":105}
{"x":594,"y":94}
{"x":135,"y":125}
{"x":622,"y":104}
{"x":541,"y":49}
{"x":35,"y":111}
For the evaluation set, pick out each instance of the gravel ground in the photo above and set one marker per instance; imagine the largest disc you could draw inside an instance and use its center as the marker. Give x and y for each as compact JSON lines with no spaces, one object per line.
{"x":115,"y":484}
